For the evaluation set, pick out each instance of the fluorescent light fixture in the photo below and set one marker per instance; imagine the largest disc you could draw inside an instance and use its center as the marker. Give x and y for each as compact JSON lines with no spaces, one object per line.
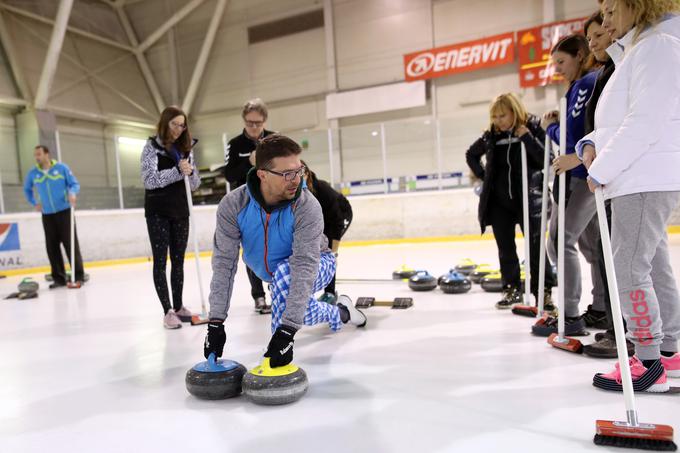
{"x":374,"y":133}
{"x":132,"y":141}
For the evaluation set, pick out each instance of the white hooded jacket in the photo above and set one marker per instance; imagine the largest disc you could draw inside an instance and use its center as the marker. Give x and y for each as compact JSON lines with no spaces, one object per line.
{"x":637,"y":119}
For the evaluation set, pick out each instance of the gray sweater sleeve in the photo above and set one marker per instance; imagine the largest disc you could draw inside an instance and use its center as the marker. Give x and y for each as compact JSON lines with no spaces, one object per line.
{"x":226,"y":247}
{"x":151,"y":177}
{"x":308,"y":243}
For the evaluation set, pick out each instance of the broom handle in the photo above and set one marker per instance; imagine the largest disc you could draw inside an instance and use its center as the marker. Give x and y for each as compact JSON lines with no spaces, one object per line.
{"x":615,"y":302}
{"x":527,"y":235}
{"x":544,"y":221}
{"x":560,"y":222}
{"x":194,"y":237}
{"x":73,"y":246}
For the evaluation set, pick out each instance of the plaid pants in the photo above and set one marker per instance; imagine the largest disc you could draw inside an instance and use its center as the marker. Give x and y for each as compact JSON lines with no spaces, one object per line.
{"x":316,"y":311}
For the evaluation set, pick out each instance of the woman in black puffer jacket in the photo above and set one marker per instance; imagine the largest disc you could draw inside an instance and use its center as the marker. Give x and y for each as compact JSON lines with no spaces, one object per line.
{"x":500,"y":202}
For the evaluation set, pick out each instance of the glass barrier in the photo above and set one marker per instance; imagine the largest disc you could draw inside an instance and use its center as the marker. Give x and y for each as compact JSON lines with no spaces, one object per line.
{"x":414,"y":154}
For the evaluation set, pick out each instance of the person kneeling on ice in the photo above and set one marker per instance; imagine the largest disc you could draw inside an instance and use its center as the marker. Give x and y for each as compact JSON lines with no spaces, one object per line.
{"x":280,"y":226}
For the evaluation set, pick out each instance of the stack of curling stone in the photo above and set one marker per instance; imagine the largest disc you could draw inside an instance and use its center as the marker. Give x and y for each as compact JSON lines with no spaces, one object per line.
{"x":454,"y":283}
{"x":273,"y":386}
{"x":481,"y":271}
{"x":27,"y":289}
{"x":422,"y":281}
{"x":465,"y":266}
{"x":403,"y":272}
{"x":215,"y":379}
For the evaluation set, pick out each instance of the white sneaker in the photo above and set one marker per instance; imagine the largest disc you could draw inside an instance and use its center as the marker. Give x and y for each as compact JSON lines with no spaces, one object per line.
{"x":171,"y":320}
{"x":356,"y":317}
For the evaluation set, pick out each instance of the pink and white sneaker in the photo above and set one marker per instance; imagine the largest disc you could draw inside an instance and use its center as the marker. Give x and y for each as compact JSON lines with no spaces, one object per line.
{"x":672,"y":365}
{"x":171,"y":320}
{"x":652,"y":379}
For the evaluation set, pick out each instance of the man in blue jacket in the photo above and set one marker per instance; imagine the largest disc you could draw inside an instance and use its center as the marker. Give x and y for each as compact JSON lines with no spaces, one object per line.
{"x":57,"y":189}
{"x":279,"y":225}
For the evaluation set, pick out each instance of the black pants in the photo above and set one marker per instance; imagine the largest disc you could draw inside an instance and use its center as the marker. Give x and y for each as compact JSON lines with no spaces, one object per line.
{"x":503,"y":221}
{"x":256,"y":289}
{"x":348,"y":221}
{"x":57,"y":228}
{"x":168,"y":233}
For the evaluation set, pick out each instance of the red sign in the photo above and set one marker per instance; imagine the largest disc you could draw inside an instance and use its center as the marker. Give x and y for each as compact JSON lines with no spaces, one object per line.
{"x":534,"y":51}
{"x":464,"y":57}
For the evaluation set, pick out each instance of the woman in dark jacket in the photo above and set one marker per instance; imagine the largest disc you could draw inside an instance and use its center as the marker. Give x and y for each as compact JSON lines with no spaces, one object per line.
{"x":500,"y":202}
{"x":337,"y":216}
{"x":166,"y":160}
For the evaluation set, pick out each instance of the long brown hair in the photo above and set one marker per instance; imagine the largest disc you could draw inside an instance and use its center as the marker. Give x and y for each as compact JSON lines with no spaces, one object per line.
{"x":184,"y":141}
{"x":572,"y":45}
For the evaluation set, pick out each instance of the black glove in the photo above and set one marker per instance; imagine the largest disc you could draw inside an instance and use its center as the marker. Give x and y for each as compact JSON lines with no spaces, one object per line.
{"x":280,"y":349}
{"x":214,"y":339}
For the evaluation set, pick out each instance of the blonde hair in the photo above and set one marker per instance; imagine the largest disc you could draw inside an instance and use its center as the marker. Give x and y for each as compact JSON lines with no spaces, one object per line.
{"x":511,"y":103}
{"x":649,"y":12}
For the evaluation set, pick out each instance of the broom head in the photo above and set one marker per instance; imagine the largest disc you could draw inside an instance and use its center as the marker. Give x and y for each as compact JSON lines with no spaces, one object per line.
{"x":645,"y":436}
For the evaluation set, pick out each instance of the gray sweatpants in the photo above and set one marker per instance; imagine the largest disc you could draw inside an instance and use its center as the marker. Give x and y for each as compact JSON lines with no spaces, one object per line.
{"x":649,"y":296}
{"x":580,"y":227}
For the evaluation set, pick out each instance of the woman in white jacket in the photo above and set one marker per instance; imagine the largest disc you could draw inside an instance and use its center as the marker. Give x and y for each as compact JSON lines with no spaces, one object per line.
{"x":637,"y":144}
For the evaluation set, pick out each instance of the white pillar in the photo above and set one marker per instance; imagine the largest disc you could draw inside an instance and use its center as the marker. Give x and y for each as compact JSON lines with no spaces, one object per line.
{"x":53,"y":51}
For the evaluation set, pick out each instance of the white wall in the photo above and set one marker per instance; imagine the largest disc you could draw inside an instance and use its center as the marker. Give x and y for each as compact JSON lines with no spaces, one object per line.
{"x":115,"y":234}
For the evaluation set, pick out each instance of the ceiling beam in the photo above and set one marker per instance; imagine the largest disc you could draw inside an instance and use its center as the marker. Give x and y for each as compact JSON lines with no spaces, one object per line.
{"x":141,"y":61}
{"x":89,"y":74}
{"x":13,"y":60}
{"x":74,"y":30}
{"x":53,"y":51}
{"x":203,"y":56}
{"x":174,"y":19}
{"x":101,"y":81}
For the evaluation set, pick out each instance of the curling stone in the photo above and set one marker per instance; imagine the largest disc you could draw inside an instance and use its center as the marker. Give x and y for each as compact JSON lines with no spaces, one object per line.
{"x":465,"y":266}
{"x":28,"y":285}
{"x":403,"y":272}
{"x":492,"y":283}
{"x":454,"y":283}
{"x":481,"y":271}
{"x":422,"y":281}
{"x":273,"y":386}
{"x":215,"y":379}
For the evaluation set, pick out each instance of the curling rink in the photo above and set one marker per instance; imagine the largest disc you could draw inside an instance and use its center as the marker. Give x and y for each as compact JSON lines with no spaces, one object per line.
{"x":93,"y":370}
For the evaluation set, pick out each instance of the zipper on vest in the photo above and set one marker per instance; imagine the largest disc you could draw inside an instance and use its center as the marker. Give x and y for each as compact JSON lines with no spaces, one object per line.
{"x":266,"y":237}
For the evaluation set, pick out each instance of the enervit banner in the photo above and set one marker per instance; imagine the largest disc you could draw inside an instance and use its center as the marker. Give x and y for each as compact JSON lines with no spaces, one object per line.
{"x":534,"y":45}
{"x":468,"y":56}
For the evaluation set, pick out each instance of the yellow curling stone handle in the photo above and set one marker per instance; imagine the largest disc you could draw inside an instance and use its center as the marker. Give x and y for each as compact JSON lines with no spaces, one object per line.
{"x":264,"y":369}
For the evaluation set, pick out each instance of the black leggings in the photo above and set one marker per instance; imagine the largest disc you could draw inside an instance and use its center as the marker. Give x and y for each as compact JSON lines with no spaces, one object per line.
{"x":164,"y":233}
{"x":503,"y":221}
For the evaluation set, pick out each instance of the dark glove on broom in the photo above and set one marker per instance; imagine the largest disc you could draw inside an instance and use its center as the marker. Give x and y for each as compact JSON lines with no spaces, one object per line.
{"x":214,"y":339}
{"x":280,"y":349}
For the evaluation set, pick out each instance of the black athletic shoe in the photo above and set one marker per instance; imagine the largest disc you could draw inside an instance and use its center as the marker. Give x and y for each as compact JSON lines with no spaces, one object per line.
{"x":548,"y":305}
{"x":595,"y":318}
{"x":57,"y":285}
{"x":511,"y":296}
{"x":572,"y":327}
{"x":605,"y":347}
